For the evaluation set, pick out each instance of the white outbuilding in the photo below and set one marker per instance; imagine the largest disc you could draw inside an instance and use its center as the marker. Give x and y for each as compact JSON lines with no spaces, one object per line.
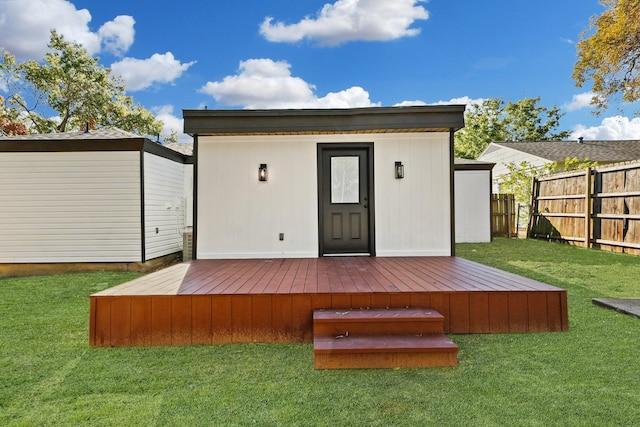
{"x":103,"y":196}
{"x":324,"y":182}
{"x":473,"y":201}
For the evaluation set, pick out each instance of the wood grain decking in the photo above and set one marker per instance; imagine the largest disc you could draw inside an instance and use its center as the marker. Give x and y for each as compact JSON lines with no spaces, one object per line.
{"x":267,"y":300}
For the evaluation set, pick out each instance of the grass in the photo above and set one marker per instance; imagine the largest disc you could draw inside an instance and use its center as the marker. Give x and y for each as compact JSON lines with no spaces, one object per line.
{"x":585,"y":377}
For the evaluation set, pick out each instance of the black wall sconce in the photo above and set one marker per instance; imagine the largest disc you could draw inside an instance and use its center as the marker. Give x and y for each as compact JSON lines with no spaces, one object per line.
{"x":262,"y":172}
{"x":399,"y":170}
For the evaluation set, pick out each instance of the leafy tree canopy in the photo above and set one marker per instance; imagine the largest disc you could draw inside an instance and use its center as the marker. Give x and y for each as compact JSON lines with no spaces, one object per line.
{"x":68,"y":90}
{"x":494,"y":120}
{"x":519,"y":178}
{"x":609,"y":54}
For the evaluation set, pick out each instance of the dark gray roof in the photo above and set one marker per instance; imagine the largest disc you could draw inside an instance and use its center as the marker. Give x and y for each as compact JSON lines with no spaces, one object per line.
{"x":558,"y":151}
{"x":76,"y":135}
{"x":466,"y":164}
{"x":440,"y":118}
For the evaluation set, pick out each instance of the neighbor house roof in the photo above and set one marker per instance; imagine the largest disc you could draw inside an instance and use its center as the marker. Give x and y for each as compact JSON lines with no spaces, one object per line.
{"x":558,"y":151}
{"x":430,"y":118}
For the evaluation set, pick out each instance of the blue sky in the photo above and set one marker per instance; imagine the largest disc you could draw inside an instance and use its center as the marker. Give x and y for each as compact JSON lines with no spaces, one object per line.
{"x":327,"y":53}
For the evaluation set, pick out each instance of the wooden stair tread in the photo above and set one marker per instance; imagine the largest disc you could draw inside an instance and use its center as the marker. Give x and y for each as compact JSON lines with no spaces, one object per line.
{"x":384,"y":343}
{"x":377,"y":314}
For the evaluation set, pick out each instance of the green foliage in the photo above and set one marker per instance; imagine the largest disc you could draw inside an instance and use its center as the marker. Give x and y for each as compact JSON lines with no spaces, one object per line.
{"x":50,"y":376}
{"x":518,"y":179}
{"x":72,"y":84}
{"x":494,"y":120}
{"x":172,"y":138}
{"x":609,"y":54}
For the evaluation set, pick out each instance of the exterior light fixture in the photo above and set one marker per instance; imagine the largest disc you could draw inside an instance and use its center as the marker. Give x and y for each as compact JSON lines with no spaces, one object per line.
{"x":399,"y":170}
{"x":262,"y":172}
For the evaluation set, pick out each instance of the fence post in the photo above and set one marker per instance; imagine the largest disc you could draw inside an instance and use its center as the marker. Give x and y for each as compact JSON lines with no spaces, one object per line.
{"x":533,"y":207}
{"x":587,"y":208}
{"x":518,"y":222}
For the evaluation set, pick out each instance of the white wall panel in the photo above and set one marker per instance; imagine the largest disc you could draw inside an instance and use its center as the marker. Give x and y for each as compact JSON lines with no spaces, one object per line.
{"x":413,"y":214}
{"x":473,"y":206}
{"x":240,"y":217}
{"x":164,"y":201}
{"x":70,"y":207}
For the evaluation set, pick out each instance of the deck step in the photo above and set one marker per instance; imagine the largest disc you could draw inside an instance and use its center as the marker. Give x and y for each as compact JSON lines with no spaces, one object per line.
{"x":384,"y":351}
{"x":381,"y":338}
{"x":377,"y":321}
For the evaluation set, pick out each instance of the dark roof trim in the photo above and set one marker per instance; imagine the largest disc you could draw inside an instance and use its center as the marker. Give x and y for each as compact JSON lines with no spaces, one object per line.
{"x":429,"y":118}
{"x":467,"y":165}
{"x":59,"y":146}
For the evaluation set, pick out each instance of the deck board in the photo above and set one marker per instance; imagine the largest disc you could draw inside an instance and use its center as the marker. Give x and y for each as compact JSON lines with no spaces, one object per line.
{"x":214,"y":301}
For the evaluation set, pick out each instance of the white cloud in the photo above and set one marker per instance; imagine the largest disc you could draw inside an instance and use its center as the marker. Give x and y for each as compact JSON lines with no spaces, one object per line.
{"x":415,"y":103}
{"x":463,"y":100}
{"x":25,"y":27}
{"x":117,"y":35}
{"x":582,"y":100}
{"x":349,"y":20}
{"x":265,"y":83}
{"x":171,"y":123}
{"x":140,"y":74}
{"x":611,"y":128}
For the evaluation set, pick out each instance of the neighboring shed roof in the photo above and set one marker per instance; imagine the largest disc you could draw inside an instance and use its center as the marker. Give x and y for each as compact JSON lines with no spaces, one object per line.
{"x":466,"y":164}
{"x":433,"y":118}
{"x":94,"y":140}
{"x":558,"y":151}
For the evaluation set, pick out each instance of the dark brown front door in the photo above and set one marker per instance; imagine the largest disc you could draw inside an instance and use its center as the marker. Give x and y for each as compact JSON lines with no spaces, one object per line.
{"x":344,"y":177}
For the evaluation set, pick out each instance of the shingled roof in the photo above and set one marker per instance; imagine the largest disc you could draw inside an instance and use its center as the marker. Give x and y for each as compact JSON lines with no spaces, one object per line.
{"x":113,"y":133}
{"x":558,"y":151}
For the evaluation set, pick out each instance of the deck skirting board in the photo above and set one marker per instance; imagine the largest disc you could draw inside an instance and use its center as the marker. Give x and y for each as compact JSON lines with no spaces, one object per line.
{"x":215,"y":319}
{"x":272,"y":300}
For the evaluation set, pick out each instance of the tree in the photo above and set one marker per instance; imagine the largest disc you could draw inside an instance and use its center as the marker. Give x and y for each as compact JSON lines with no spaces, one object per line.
{"x":68,"y":90}
{"x":9,"y":122}
{"x":493,"y":121}
{"x":519,"y":178}
{"x":609,"y":54}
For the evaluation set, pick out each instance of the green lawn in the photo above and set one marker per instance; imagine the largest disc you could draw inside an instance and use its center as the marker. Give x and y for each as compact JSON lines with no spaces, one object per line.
{"x":589,"y":376}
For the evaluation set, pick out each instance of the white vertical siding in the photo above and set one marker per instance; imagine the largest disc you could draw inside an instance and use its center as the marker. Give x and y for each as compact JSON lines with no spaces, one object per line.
{"x":240,"y":217}
{"x":70,"y":207}
{"x":164,"y":208}
{"x":413,"y":214}
{"x":188,"y":195}
{"x":473,"y":206}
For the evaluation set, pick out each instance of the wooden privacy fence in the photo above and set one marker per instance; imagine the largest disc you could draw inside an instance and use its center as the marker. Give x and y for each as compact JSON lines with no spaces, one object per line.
{"x":594,"y":207}
{"x":503,"y":215}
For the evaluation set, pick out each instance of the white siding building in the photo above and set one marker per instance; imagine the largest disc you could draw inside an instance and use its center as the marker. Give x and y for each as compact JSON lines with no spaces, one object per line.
{"x":330,"y":185}
{"x":473,"y":201}
{"x":105,"y":196}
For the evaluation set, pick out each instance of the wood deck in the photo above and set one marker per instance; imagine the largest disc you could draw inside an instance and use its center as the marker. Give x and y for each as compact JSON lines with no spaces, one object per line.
{"x":272,"y":300}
